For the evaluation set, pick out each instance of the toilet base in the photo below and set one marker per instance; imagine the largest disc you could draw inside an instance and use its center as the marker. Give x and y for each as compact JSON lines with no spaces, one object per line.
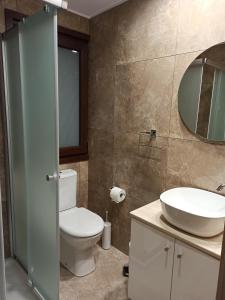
{"x":79,"y":260}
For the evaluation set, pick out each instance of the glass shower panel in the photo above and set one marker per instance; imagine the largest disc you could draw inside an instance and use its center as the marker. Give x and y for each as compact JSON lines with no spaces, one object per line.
{"x":39,"y":73}
{"x":16,"y":146}
{"x":189,"y":91}
{"x":69,"y":82}
{"x":216,"y":130}
{"x":2,"y":262}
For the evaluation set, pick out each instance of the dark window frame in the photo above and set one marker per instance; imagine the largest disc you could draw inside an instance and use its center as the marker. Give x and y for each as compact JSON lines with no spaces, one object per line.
{"x":72,"y":40}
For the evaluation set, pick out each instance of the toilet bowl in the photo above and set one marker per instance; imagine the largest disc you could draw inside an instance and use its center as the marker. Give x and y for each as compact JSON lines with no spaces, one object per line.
{"x":80,"y":229}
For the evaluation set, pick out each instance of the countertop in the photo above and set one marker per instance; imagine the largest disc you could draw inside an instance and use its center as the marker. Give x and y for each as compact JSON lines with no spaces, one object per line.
{"x":151,"y":214}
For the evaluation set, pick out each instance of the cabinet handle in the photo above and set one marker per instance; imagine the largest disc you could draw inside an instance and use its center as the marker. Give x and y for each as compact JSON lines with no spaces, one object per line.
{"x":180,"y":253}
{"x":167,"y":247}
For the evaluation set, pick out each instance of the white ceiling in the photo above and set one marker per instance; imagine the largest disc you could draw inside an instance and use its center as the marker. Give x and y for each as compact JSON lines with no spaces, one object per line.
{"x":91,"y":8}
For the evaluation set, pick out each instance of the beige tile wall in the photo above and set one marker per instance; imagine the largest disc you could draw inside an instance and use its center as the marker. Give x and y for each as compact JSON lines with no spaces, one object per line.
{"x":71,"y":21}
{"x":138,"y":54}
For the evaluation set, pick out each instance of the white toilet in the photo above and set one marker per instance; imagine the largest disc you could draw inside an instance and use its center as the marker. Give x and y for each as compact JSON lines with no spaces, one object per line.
{"x":80,"y":229}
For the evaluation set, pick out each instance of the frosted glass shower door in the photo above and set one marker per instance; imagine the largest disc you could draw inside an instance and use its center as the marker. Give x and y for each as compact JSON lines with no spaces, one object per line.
{"x":189,"y":92}
{"x":216,"y":129}
{"x":39,"y":65}
{"x":31,"y":72}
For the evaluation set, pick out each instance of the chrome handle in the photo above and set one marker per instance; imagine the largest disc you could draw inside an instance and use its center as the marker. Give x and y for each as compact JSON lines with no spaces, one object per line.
{"x":180,"y":253}
{"x":52,"y":177}
{"x":167,"y":247}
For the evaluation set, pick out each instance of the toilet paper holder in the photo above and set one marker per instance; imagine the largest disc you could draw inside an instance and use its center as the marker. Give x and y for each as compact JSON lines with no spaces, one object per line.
{"x":112,"y":188}
{"x":117,"y":194}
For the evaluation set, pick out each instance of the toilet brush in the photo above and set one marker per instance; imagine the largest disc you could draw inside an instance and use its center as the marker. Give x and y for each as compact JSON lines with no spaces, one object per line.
{"x":106,"y":236}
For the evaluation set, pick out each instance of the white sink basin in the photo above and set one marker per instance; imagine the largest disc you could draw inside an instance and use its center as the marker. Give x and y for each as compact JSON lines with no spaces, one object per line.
{"x":196,"y":211}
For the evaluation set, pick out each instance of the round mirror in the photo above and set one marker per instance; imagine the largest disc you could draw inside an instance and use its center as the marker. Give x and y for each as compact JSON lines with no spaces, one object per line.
{"x":201,"y":96}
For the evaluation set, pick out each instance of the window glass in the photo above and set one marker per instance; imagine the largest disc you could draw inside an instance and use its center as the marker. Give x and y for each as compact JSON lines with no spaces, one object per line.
{"x":68,"y":98}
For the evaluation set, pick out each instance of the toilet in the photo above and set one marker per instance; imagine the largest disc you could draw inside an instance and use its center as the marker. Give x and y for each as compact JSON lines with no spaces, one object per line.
{"x":80,"y":229}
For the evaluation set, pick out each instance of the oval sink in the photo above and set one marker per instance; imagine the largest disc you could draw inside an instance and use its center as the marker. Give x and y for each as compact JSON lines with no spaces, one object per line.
{"x":196,"y":211}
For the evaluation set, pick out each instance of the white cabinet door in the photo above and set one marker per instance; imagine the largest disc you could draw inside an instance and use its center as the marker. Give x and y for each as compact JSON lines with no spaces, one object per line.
{"x":150,"y":263}
{"x":195,"y":274}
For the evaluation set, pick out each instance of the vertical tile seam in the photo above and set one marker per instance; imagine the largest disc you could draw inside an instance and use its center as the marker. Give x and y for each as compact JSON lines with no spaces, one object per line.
{"x":172,"y":92}
{"x":114,"y":98}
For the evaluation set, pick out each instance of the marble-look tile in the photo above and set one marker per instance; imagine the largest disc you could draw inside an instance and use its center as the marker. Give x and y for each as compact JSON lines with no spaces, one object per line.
{"x":177,"y":128}
{"x":83,"y":170}
{"x":196,"y":164}
{"x":200,"y":25}
{"x":83,"y":195}
{"x":141,"y":177}
{"x":100,"y":164}
{"x":125,"y":144}
{"x":145,"y":29}
{"x":102,"y":45}
{"x":101,"y":172}
{"x":10,"y":4}
{"x":105,"y":283}
{"x":2,"y":17}
{"x":73,"y":21}
{"x":101,"y":97}
{"x":100,"y":143}
{"x":75,"y":166}
{"x":120,"y":218}
{"x":143,"y":96}
{"x":98,"y":199}
{"x":84,"y":25}
{"x":29,"y":7}
{"x":2,"y":28}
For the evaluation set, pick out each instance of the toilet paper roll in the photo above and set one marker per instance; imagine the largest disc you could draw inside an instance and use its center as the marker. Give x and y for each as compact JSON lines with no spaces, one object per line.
{"x":117,"y":194}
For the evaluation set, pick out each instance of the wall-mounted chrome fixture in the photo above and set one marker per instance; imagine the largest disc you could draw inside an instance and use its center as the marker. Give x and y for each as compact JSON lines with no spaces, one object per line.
{"x":152,"y":133}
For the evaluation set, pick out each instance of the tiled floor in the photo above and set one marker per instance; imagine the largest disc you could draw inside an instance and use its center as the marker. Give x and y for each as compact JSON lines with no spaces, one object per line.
{"x":16,"y":286}
{"x":106,"y":283}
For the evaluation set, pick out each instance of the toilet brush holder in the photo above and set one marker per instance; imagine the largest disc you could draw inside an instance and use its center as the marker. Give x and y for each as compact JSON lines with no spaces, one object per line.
{"x":106,"y":235}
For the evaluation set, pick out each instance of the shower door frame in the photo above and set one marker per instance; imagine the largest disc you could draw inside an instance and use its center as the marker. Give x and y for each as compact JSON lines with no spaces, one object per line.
{"x":2,"y":259}
{"x":2,"y":256}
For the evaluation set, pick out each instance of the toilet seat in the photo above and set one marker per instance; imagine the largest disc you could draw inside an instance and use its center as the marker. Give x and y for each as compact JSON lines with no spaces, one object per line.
{"x":80,"y":222}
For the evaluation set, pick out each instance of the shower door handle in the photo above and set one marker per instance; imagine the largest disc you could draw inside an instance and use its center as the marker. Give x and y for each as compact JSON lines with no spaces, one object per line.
{"x":52,"y":177}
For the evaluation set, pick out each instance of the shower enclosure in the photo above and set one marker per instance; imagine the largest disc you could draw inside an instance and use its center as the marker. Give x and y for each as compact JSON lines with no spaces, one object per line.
{"x":30,"y":60}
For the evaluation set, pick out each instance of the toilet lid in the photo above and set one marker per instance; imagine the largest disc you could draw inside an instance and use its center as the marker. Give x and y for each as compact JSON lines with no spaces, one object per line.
{"x":80,"y":222}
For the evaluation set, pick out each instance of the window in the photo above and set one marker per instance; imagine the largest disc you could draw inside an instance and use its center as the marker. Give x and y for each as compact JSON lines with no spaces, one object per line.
{"x":69,"y":98}
{"x":73,"y":95}
{"x":73,"y":90}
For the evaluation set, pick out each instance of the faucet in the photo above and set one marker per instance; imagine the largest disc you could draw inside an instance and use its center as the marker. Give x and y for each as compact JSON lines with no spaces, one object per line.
{"x":220,"y":187}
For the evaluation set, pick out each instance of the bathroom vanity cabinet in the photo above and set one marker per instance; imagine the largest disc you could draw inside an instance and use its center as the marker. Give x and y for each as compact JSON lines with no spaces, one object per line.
{"x":165,"y":268}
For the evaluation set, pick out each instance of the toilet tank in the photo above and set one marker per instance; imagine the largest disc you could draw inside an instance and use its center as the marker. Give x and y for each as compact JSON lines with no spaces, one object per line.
{"x":67,"y":189}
